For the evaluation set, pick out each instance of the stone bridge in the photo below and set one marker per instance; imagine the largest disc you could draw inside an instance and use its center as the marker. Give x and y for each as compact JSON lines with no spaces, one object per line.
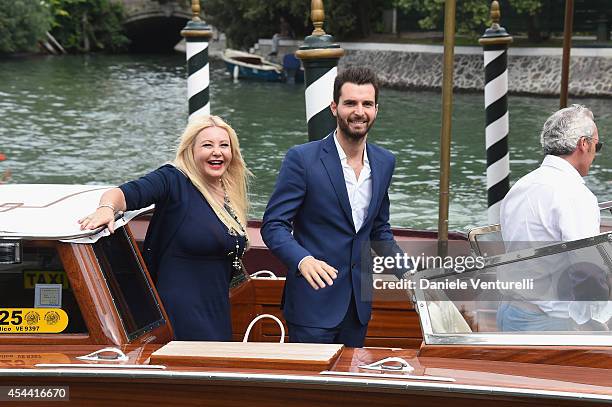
{"x":155,"y":25}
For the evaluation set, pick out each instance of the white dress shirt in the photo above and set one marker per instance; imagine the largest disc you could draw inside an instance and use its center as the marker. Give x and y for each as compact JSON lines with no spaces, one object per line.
{"x":550,"y":204}
{"x":359,"y":189}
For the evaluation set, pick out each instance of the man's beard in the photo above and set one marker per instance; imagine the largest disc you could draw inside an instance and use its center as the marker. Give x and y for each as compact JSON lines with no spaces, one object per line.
{"x":344,"y":126}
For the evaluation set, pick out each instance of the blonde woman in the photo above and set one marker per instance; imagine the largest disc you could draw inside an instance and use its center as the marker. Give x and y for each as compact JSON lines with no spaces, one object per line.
{"x":197,"y":235}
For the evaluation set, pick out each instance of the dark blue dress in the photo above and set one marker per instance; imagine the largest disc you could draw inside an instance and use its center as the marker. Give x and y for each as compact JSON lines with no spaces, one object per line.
{"x":194,"y":265}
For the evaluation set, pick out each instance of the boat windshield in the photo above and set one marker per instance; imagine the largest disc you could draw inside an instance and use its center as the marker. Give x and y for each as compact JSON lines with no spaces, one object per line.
{"x":133,"y":295}
{"x":554,"y":293}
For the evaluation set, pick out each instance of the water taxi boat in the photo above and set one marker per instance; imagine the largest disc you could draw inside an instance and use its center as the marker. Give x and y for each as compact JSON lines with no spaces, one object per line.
{"x":82,"y":322}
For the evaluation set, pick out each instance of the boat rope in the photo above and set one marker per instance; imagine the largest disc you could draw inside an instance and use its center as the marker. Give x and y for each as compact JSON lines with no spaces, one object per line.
{"x":267,"y":273}
{"x":398,"y":365}
{"x":262,"y":316}
{"x":103,"y":354}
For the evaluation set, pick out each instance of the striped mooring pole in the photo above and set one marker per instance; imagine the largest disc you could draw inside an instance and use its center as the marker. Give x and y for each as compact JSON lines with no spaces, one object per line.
{"x":196,"y":34}
{"x":495,"y":43}
{"x":320,"y":56}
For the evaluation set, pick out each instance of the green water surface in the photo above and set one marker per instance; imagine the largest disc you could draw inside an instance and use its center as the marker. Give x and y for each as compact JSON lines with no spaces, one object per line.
{"x":103,"y":119}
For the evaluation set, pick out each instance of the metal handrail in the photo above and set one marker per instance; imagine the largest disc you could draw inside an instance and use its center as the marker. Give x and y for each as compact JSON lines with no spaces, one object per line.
{"x":605,"y":205}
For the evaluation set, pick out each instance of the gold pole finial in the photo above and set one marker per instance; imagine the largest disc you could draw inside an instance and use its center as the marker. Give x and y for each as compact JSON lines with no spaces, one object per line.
{"x":495,"y":14}
{"x":317,"y":15}
{"x":496,"y":34}
{"x":195,"y":9}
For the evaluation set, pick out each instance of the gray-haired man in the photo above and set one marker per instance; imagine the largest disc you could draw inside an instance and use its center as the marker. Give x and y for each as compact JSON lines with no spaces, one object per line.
{"x":551,"y":204}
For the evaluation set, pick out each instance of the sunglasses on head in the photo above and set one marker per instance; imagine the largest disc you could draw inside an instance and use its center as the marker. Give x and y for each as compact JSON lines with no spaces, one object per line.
{"x":598,"y":145}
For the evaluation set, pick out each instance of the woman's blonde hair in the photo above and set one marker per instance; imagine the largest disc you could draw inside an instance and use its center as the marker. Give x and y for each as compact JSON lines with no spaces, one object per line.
{"x":235,"y":177}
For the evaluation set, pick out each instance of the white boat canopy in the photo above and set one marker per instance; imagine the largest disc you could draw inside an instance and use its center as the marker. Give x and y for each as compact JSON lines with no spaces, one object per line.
{"x":51,"y":211}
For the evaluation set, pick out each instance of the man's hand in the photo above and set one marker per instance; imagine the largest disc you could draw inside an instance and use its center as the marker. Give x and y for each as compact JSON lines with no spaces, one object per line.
{"x":317,"y":272}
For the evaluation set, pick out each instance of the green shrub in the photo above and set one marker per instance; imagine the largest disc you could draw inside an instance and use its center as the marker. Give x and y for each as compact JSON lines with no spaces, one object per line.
{"x":88,"y":25}
{"x":22,"y":24}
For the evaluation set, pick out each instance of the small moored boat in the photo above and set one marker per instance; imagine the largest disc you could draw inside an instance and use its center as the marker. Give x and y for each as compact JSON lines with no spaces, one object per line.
{"x":243,"y":65}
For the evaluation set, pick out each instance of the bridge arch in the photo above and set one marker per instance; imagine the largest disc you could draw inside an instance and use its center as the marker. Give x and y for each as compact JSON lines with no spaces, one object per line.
{"x":155,"y":25}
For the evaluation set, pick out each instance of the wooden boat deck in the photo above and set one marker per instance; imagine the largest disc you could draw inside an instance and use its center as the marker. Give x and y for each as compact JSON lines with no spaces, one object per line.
{"x":509,"y":383}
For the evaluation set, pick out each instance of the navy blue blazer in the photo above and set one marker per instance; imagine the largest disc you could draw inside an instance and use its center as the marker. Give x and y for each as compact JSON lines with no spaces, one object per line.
{"x":309,"y":214}
{"x":189,"y":250}
{"x":170,"y":208}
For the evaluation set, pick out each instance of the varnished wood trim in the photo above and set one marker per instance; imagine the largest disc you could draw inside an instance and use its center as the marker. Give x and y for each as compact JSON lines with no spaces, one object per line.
{"x":42,"y":340}
{"x":597,"y":357}
{"x":393,"y":323}
{"x":92,"y":294}
{"x":218,"y":391}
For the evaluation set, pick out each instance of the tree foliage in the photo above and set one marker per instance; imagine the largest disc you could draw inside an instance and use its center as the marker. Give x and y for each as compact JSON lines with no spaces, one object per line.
{"x":244,"y":21}
{"x":22,"y":24}
{"x":88,"y":25}
{"x":528,"y":7}
{"x":79,"y":25}
{"x":472,"y":15}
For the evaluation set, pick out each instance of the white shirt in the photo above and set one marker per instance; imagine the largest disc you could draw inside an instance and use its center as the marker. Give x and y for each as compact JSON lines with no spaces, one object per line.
{"x":359,"y":190}
{"x":550,"y":204}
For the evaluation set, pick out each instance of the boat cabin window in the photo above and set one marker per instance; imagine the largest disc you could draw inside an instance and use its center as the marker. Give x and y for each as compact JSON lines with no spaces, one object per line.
{"x":36,"y":279}
{"x":133,"y":296}
{"x":544,"y":294}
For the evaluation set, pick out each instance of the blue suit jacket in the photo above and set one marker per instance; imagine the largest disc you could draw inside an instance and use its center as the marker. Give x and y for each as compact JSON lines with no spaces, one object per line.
{"x":172,"y":192}
{"x":310,"y":199}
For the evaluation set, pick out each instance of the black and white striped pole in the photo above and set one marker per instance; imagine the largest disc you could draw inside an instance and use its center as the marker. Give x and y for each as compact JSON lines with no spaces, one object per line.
{"x":495,"y":43}
{"x":197,"y":33}
{"x":320,"y":56}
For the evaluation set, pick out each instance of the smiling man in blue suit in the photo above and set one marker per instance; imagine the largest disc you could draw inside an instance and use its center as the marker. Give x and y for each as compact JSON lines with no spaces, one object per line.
{"x":329,"y":203}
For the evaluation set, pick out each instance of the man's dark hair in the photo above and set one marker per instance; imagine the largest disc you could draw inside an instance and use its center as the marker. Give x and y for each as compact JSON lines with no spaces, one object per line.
{"x":358,"y":76}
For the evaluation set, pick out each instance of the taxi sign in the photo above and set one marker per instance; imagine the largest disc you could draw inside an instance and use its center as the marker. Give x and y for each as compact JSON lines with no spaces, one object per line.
{"x":32,"y":320}
{"x":33,"y":277}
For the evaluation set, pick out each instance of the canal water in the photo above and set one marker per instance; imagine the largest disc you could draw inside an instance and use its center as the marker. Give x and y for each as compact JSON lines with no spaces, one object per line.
{"x":99,"y":119}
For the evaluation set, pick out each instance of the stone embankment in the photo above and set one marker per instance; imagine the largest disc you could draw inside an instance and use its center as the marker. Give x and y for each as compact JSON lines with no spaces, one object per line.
{"x":534,"y":71}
